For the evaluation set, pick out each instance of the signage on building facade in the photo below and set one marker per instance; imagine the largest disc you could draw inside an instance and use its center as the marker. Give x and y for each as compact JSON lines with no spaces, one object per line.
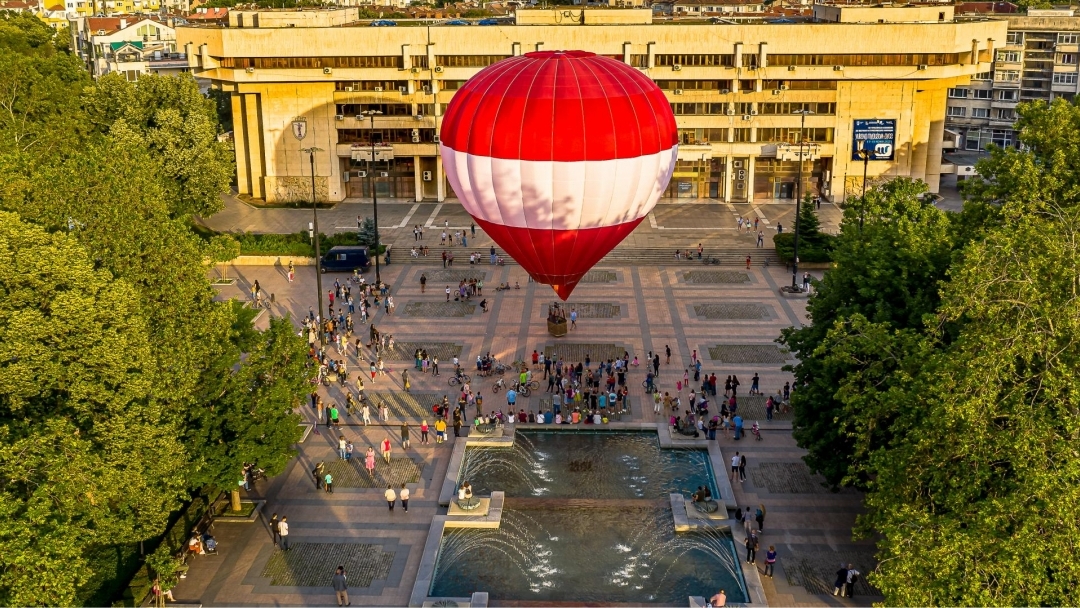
{"x":299,"y":128}
{"x":878,"y":136}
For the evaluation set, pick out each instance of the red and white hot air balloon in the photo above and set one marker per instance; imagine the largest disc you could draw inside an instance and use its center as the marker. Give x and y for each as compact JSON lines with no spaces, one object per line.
{"x":559,"y":155}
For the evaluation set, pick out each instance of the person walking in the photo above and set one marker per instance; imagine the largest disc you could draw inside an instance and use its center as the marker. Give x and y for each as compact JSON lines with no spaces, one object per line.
{"x":840,"y":586}
{"x":770,"y":561}
{"x":283,"y":531}
{"x":423,"y":432}
{"x":748,"y":522}
{"x":369,"y":462}
{"x":341,"y":447}
{"x":447,"y":288}
{"x":852,"y":578}
{"x":391,"y":497}
{"x":748,"y":262}
{"x":404,"y":498}
{"x":573,"y":318}
{"x":405,"y":434}
{"x":759,"y":516}
{"x":751,"y":548}
{"x":423,"y":282}
{"x":365,"y":411}
{"x":405,"y":384}
{"x":386,"y":449}
{"x":742,"y":468}
{"x":275,"y":533}
{"x":341,"y":588}
{"x":328,"y":481}
{"x":318,"y":473}
{"x":735,"y":466}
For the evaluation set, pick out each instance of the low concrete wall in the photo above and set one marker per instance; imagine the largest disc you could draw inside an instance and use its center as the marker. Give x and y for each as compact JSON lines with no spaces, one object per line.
{"x":425,"y":574}
{"x":272,"y":260}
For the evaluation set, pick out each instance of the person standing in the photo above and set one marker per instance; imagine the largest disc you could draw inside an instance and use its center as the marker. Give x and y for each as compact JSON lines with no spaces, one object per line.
{"x":404,"y":498}
{"x":759,"y":516}
{"x":369,"y":462}
{"x":840,"y":586}
{"x":852,"y":578}
{"x":447,"y":287}
{"x":328,"y":481}
{"x":391,"y":497}
{"x":573,"y":318}
{"x":760,"y":239}
{"x":770,"y":561}
{"x":341,"y":588}
{"x":751,"y":548}
{"x":667,"y":351}
{"x":748,"y":522}
{"x":317,"y":473}
{"x":423,"y":432}
{"x":283,"y":531}
{"x":718,"y":600}
{"x":405,"y":434}
{"x":457,"y":426}
{"x":275,"y":533}
{"x":365,"y":411}
{"x":434,"y":366}
{"x":386,"y":449}
{"x":440,"y":430}
{"x":341,"y":447}
{"x":742,"y":469}
{"x":735,"y":466}
{"x":748,"y":262}
{"x":405,"y":384}
{"x":423,"y":282}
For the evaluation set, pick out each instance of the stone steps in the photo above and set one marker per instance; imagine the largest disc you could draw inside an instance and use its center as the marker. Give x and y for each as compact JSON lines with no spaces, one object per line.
{"x":620,"y":256}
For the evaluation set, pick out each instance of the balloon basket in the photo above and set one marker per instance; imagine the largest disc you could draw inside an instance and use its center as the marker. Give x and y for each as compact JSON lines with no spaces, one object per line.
{"x":557,"y":328}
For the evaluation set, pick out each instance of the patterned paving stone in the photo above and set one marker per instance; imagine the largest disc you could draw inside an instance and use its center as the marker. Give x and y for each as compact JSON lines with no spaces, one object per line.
{"x":313,"y":564}
{"x":454,"y":276}
{"x":445,"y":351}
{"x":599,"y":276}
{"x":752,"y":407}
{"x":574,"y":352}
{"x":731,"y":311}
{"x":413,"y":405}
{"x":786,"y":478}
{"x":352,"y":474}
{"x":715,"y":277}
{"x":439,"y":309}
{"x":748,"y":353}
{"x":593,"y":310}
{"x":814,"y":568}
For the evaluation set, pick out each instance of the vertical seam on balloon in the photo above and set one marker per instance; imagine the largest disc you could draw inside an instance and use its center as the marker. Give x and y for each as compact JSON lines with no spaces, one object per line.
{"x":572,"y":253}
{"x":496,"y":78}
{"x":541,"y":65}
{"x":626,"y":92}
{"x":600,"y":65}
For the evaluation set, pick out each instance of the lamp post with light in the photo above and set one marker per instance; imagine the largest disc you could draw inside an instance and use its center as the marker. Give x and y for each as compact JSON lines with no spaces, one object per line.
{"x":374,"y":197}
{"x":864,"y":154}
{"x":798,"y":198}
{"x":299,"y":130}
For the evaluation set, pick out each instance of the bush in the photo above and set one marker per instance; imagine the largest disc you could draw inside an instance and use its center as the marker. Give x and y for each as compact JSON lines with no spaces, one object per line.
{"x":818,"y":249}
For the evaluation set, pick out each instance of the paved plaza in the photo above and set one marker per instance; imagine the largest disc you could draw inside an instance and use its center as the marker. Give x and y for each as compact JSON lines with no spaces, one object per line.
{"x":730,"y":316}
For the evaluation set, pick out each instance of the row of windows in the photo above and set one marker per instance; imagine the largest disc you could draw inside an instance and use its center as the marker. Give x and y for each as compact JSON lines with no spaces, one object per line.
{"x":1014,"y":38}
{"x":1069,"y":78}
{"x":768,"y":109}
{"x":997,"y":113}
{"x":866,"y":60}
{"x":1002,"y":95}
{"x":386,"y":136}
{"x":370,"y":85}
{"x":746,"y":85}
{"x":791,"y":108}
{"x":386,"y":109}
{"x":468,"y":61}
{"x":977,"y":139}
{"x":791,"y":135}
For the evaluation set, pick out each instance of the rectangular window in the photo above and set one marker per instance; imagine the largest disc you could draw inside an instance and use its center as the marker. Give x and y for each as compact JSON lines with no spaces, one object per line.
{"x":1067,"y":38}
{"x":980,"y":112}
{"x":958,"y":93}
{"x":387,"y":109}
{"x":1065,"y":59}
{"x":981,"y":76}
{"x":639,"y":61}
{"x":741,"y":135}
{"x":468,"y":61}
{"x":1007,"y":75}
{"x":1005,"y":114}
{"x":1015,"y":38}
{"x":1008,"y":56}
{"x":702,"y":136}
{"x":971,"y":140}
{"x":449,"y":85}
{"x":981,"y":93}
{"x":370,"y":85}
{"x":790,"y":135}
{"x":780,"y":109}
{"x":1065,"y":78}
{"x":1008,"y":95}
{"x":388,"y":136}
{"x":419,"y":61}
{"x":883,"y":60}
{"x":694,"y":60}
{"x":694,"y":85}
{"x":1001,"y":137}
{"x":957,"y":111}
{"x":698,"y":109}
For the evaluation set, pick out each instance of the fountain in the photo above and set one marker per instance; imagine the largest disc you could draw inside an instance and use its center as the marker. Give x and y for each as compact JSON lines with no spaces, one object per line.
{"x":587,"y":519}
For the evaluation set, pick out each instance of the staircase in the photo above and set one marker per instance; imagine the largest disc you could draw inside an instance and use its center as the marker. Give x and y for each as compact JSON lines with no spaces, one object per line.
{"x":620,"y":256}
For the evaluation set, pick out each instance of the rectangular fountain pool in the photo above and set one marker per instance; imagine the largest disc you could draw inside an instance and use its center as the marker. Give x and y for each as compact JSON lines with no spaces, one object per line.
{"x":601,"y":464}
{"x":598,"y":555}
{"x":587,"y":518}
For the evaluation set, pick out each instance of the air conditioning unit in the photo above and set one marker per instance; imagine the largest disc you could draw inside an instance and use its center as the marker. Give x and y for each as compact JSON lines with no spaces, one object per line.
{"x":360,"y":117}
{"x":328,"y":70}
{"x":349,"y":89}
{"x":678,"y":91}
{"x":791,"y":68}
{"x":378,"y":89}
{"x":725,"y":91}
{"x":345,"y":176}
{"x":731,"y":112}
{"x":776,"y":91}
{"x":837,"y":68}
{"x":427,"y":176}
{"x":676,"y":68}
{"x":753,"y":112}
{"x":922,"y":66}
{"x":416,"y":136}
{"x":427,"y":90}
{"x":403,"y":90}
{"x":436,"y":138}
{"x":419,"y":117}
{"x":746,"y":117}
{"x":339,"y":117}
{"x":416,"y":70}
{"x":783,"y":87}
{"x":383,"y":174}
{"x":737,"y":164}
{"x":250,"y":70}
{"x":438,"y":69}
{"x":361,"y":174}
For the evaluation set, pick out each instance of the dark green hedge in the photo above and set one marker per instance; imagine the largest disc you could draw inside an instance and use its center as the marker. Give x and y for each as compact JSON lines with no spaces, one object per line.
{"x":816,"y":249}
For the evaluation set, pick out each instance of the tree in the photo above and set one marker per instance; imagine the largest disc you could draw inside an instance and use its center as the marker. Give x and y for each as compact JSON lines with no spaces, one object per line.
{"x":366,"y":235}
{"x":983,"y":484}
{"x":888,"y":271}
{"x":814,"y":245}
{"x":178,"y":125}
{"x":253,"y":418}
{"x":86,"y":453}
{"x":222,"y":249}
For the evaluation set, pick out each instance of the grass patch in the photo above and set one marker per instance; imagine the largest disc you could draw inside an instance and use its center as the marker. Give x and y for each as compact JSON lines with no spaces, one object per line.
{"x":225,"y":510}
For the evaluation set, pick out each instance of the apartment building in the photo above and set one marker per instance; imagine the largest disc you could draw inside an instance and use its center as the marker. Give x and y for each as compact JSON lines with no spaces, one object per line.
{"x":871,"y":78}
{"x":129,"y":44}
{"x":1038,"y":61}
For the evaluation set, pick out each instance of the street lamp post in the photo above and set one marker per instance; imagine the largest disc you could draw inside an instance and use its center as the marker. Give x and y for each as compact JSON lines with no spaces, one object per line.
{"x":374,"y":198}
{"x":299,"y":129}
{"x":798,"y":198}
{"x":864,"y":154}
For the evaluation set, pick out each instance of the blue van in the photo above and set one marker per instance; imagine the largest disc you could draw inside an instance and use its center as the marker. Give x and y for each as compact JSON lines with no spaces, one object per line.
{"x":346,"y":259}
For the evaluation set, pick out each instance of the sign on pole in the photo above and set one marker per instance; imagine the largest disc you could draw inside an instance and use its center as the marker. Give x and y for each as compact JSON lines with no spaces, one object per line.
{"x":878,"y":136}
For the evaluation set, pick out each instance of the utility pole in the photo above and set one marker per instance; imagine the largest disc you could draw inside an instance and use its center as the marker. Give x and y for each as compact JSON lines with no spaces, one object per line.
{"x":299,"y":129}
{"x":864,"y":154}
{"x":374,"y":197}
{"x":798,"y":199}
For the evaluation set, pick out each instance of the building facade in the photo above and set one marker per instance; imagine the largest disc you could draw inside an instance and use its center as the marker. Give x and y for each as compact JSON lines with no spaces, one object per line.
{"x":132,"y":45}
{"x":1039,"y":60}
{"x":737,"y":91}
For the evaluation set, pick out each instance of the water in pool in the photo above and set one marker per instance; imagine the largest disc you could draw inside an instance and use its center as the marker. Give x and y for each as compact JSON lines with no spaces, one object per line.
{"x":586,"y":465}
{"x":574,"y":554}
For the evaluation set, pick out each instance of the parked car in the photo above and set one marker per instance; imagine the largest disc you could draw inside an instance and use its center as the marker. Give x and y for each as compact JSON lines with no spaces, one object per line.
{"x":345,"y":258}
{"x":383,"y":23}
{"x":455,"y":22}
{"x":488,"y":22}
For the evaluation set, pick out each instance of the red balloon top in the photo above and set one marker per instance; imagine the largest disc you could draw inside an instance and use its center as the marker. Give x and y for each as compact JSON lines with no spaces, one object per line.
{"x":562,"y":106}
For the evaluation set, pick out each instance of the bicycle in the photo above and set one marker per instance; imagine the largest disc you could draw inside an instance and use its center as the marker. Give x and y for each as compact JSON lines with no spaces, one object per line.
{"x":534,"y":385}
{"x":714,"y":261}
{"x":456,"y":380}
{"x":648,"y":386}
{"x":498,"y":386}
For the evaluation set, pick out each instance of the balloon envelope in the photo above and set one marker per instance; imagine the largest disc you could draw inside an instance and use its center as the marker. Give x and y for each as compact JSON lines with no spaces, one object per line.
{"x":559,"y":155}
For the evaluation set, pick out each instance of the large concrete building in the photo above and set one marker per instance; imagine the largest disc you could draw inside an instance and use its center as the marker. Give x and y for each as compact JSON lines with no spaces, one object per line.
{"x":873,"y":74}
{"x":1038,"y":60}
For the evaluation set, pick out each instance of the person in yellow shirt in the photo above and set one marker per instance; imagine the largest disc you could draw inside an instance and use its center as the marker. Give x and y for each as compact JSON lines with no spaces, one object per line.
{"x":440,"y":430}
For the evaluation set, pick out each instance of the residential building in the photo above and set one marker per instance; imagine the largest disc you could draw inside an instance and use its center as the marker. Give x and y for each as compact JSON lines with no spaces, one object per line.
{"x":127,"y":44}
{"x":734,"y":89}
{"x":101,"y":8}
{"x":710,"y":8}
{"x":1037,"y":61}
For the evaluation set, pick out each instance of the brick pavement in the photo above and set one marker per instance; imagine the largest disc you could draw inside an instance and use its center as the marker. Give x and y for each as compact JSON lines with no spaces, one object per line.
{"x":656,"y":308}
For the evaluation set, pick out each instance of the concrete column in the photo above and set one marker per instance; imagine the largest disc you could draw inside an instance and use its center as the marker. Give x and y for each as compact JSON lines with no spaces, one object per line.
{"x":440,"y":176}
{"x":935,"y":143}
{"x":922,"y":109}
{"x":763,"y":56}
{"x":626,"y":53}
{"x":406,"y":58}
{"x":254,"y":131}
{"x":515,"y":49}
{"x":738,"y":56}
{"x":750,"y":179}
{"x":240,"y":134}
{"x":418,"y":178}
{"x":729,"y":175}
{"x":650,"y":56}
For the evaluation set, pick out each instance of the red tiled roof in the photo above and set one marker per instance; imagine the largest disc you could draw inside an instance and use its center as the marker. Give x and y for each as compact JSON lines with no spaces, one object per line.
{"x":17,"y":5}
{"x":209,"y":13}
